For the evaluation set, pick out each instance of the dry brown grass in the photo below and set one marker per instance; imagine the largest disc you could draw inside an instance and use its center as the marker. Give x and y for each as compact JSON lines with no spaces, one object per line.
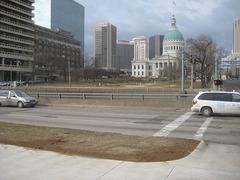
{"x":95,"y":144}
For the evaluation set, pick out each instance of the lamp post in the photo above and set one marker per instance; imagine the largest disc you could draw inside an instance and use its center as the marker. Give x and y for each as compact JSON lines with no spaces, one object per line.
{"x":69,"y":72}
{"x":192,"y":61}
{"x":216,"y":87}
{"x":182,"y":72}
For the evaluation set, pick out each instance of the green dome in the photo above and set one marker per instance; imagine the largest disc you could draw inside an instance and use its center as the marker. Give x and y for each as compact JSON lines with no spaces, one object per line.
{"x":174,"y":35}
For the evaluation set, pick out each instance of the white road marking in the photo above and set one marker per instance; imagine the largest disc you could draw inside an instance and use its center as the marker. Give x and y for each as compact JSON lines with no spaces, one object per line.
{"x":203,"y":129}
{"x":173,"y":125}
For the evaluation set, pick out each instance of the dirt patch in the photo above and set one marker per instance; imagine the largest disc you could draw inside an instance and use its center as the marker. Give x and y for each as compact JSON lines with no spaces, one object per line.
{"x":95,"y":144}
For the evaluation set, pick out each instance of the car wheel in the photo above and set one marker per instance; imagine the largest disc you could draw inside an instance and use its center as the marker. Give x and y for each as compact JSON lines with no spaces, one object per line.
{"x":206,"y":111}
{"x":20,"y":105}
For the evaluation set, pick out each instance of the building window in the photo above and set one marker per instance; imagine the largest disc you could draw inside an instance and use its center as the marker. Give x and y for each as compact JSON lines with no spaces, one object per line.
{"x":150,"y":73}
{"x":142,"y":66}
{"x":175,"y":65}
{"x":134,"y":66}
{"x":150,"y":67}
{"x":138,"y":66}
{"x":156,"y":65}
{"x":138,"y":73}
{"x":160,"y":64}
{"x":134,"y":73}
{"x":142,"y":73}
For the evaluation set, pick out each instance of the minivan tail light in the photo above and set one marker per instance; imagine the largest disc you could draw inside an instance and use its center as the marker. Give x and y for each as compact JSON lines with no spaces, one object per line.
{"x":194,"y":102}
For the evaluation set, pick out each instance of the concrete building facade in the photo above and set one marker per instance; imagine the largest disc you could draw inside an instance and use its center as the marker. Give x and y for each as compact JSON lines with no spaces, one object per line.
{"x":155,"y":46}
{"x":236,"y":36}
{"x":234,"y":57}
{"x":56,"y":53}
{"x":16,"y":39}
{"x":140,"y":63}
{"x":69,"y":15}
{"x":125,"y":54}
{"x":105,"y":47}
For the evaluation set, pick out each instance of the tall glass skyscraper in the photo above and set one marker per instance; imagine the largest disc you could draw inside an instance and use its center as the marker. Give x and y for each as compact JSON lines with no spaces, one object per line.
{"x":69,"y":16}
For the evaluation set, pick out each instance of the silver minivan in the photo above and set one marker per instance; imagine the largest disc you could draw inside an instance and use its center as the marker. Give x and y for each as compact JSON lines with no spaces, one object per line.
{"x":16,"y":98}
{"x":217,"y":102}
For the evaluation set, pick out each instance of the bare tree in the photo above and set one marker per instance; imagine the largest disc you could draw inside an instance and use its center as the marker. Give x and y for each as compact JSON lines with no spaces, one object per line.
{"x":202,"y":51}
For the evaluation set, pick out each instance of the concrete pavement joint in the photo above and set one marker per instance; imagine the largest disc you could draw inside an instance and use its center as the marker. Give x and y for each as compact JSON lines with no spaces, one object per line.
{"x":169,"y":173}
{"x":118,"y":165}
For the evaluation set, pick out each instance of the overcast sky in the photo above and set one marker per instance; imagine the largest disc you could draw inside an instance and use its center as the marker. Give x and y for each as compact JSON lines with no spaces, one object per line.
{"x":150,"y":17}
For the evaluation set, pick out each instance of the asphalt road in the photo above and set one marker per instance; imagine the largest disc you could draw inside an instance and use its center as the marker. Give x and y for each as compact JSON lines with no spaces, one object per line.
{"x":132,"y":121}
{"x":231,"y":85}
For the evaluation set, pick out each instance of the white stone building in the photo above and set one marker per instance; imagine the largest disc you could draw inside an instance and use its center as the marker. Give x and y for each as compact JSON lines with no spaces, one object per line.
{"x":166,"y":65}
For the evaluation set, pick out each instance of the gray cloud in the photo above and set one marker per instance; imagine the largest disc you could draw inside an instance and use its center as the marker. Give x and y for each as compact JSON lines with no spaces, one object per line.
{"x":149,"y":17}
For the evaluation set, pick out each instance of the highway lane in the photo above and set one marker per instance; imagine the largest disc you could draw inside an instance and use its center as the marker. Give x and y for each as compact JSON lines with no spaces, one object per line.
{"x":231,"y":85}
{"x":132,"y":121}
{"x":120,"y":120}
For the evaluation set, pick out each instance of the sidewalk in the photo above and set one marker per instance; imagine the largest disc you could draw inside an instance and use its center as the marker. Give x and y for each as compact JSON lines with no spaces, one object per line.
{"x":208,"y":161}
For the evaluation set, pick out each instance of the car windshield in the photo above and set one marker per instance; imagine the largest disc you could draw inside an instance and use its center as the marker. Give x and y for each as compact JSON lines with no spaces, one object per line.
{"x":21,"y":94}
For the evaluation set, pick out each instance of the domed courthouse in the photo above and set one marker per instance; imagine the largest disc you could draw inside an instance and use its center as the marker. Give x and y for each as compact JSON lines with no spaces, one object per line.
{"x":164,"y":66}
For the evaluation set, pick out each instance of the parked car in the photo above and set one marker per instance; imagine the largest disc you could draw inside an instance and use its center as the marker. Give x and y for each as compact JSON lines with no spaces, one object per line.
{"x":217,"y":102}
{"x":4,"y":83}
{"x":16,"y":98}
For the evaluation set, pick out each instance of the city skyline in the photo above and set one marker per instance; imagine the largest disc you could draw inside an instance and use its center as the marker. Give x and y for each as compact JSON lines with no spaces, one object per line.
{"x":138,"y":17}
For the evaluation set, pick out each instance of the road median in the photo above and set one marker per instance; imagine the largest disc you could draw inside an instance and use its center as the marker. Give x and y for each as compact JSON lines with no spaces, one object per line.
{"x":95,"y":144}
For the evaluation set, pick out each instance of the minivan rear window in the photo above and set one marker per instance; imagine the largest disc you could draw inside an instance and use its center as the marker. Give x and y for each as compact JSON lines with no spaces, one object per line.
{"x":223,"y":96}
{"x":216,"y":97}
{"x":236,"y":98}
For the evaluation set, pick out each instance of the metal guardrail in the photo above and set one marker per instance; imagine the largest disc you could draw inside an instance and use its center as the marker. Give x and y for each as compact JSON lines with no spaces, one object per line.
{"x":113,"y":96}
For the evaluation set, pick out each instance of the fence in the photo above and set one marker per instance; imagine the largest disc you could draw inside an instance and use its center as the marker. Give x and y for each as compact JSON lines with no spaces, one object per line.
{"x":113,"y":96}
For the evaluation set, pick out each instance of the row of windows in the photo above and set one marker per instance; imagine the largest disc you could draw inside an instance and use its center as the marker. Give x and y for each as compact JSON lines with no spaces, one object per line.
{"x":141,"y":67}
{"x":138,"y":73}
{"x":220,"y":97}
{"x":138,"y":66}
{"x":173,"y":48}
{"x":157,"y":65}
{"x":141,"y":73}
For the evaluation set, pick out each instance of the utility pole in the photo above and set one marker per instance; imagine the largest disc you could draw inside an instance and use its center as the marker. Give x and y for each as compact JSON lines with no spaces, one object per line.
{"x":182,"y":73}
{"x":216,"y":87}
{"x":69,"y":73}
{"x":192,"y":61}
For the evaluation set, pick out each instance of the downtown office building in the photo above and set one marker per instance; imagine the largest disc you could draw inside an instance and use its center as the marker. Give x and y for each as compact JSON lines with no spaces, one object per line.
{"x":155,"y":46}
{"x":234,"y":58}
{"x":105,"y":47}
{"x":125,"y":55}
{"x":16,"y":40}
{"x":69,"y":15}
{"x":56,"y":55}
{"x":236,"y":36}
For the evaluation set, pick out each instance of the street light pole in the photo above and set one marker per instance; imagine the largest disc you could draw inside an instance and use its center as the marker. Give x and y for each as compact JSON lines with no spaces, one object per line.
{"x":69,"y":73}
{"x":215,"y":87}
{"x":192,"y":73}
{"x":182,"y":73}
{"x":192,"y":76}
